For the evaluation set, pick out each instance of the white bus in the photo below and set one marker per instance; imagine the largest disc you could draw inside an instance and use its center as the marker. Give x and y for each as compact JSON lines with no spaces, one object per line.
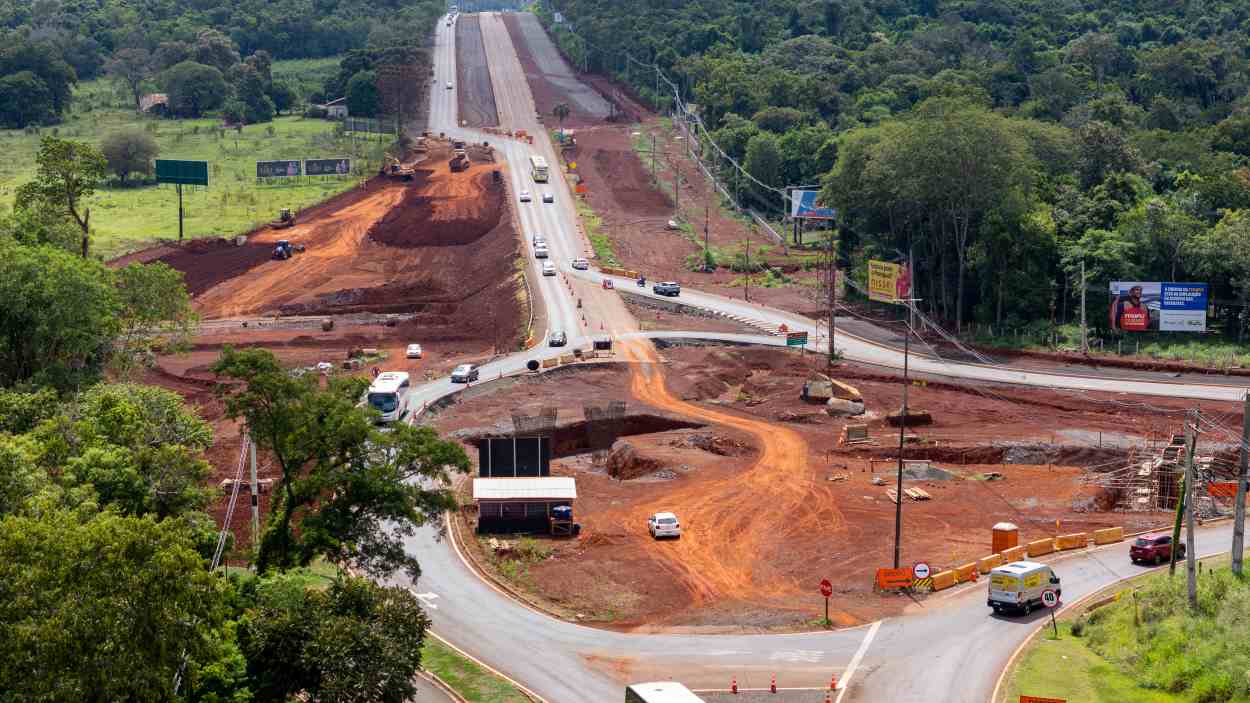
{"x":660,"y":692}
{"x":388,"y":394}
{"x":538,"y":169}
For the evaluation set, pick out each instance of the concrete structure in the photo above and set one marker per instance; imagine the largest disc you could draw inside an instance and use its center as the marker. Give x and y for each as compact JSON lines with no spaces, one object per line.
{"x":520,"y":504}
{"x":335,"y":109}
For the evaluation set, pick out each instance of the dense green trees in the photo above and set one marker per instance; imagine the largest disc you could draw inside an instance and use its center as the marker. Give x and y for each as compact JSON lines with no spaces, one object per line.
{"x":129,"y":151}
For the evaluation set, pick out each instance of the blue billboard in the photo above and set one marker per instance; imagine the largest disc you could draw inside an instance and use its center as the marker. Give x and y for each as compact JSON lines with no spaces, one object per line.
{"x":804,"y":204}
{"x":1140,"y":306}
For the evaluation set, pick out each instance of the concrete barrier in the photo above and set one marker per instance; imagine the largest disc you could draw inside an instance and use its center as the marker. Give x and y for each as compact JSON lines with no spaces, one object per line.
{"x":984,"y":564}
{"x":567,"y":359}
{"x":943,"y":579}
{"x":1038,"y":547}
{"x":1013,"y":554}
{"x":1076,"y":540}
{"x":967,"y":572}
{"x":1108,"y":535}
{"x":550,"y":363}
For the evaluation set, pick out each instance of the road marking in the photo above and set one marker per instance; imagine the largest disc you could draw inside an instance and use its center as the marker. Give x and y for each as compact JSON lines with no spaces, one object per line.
{"x":427,"y":599}
{"x":845,"y":683}
{"x":811,"y":656}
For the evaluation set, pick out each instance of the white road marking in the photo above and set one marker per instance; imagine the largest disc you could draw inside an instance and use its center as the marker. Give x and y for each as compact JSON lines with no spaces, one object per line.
{"x":845,"y":683}
{"x":811,"y":656}
{"x":427,"y":599}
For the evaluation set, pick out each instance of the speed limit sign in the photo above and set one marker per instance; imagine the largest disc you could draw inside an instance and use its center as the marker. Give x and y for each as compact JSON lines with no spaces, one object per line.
{"x":1049,"y":598}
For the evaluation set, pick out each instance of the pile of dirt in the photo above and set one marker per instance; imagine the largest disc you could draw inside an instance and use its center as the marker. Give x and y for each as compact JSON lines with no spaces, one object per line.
{"x":630,"y":187}
{"x":624,"y":462}
{"x":714,"y":443}
{"x":206,"y":262}
{"x":424,"y":220}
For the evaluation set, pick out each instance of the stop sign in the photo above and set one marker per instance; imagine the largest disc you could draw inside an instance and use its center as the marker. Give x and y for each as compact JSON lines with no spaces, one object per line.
{"x":826,"y":588}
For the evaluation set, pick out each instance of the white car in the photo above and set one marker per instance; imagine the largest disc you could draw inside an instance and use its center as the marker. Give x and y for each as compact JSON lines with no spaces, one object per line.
{"x":448,"y":85}
{"x":464,"y":373}
{"x":541,"y":252}
{"x":664,"y":525}
{"x":525,"y":196}
{"x":549,"y":269}
{"x":324,"y":367}
{"x":549,"y":198}
{"x":413,"y":352}
{"x":581,"y":264}
{"x":539,"y":239}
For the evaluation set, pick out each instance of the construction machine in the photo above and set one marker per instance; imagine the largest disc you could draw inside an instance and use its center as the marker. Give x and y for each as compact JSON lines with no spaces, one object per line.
{"x":396,"y":169}
{"x":286,"y":219}
{"x":285,"y":249}
{"x":458,"y":163}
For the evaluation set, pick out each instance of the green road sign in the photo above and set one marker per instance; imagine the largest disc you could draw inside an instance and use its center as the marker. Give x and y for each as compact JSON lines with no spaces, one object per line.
{"x":796,"y":339}
{"x":191,"y":173}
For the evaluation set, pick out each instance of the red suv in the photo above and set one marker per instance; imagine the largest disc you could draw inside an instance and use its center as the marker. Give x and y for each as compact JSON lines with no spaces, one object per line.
{"x":1154,"y":549}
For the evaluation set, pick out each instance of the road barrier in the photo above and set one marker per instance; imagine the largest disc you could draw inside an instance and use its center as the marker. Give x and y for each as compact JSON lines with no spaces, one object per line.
{"x":567,"y":359}
{"x":1013,"y":554}
{"x":1038,"y":547}
{"x":550,"y":363}
{"x":943,"y":579}
{"x":984,"y":564}
{"x":1076,"y":540}
{"x":967,"y":572}
{"x":1108,"y":535}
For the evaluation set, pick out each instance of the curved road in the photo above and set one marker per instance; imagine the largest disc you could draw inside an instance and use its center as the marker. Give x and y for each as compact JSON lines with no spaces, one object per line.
{"x":947,"y":649}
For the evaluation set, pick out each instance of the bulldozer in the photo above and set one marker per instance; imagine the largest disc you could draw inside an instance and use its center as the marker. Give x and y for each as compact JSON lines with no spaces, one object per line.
{"x":396,"y":169}
{"x":286,"y":219}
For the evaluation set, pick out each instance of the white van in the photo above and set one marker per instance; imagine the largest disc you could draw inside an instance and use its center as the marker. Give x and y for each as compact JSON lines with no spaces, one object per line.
{"x":388,"y":394}
{"x":659,"y":692}
{"x":1018,"y":586}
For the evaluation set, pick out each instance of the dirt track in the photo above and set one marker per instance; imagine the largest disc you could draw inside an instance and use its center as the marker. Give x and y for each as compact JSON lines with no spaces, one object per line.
{"x":474,"y":96}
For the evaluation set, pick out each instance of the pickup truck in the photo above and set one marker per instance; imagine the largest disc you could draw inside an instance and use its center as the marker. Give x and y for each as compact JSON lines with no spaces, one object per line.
{"x":1154,"y":549}
{"x":669,"y":288}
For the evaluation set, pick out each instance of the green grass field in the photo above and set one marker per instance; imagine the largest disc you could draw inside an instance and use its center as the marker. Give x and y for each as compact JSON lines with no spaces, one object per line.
{"x":126,"y":219}
{"x":467,"y":678}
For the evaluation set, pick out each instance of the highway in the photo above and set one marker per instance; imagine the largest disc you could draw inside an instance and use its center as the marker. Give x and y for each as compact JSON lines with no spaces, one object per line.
{"x":948,"y":649}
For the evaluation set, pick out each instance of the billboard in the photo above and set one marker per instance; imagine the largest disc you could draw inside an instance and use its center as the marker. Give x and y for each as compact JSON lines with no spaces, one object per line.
{"x":804,"y":204}
{"x":278,"y":169}
{"x":327,"y":167}
{"x":510,"y":457}
{"x":192,"y":173}
{"x":1142,"y":306}
{"x":888,"y":281}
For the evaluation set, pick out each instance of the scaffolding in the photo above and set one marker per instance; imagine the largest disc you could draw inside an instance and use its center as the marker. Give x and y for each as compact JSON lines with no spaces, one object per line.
{"x":540,"y":424}
{"x":604,"y":424}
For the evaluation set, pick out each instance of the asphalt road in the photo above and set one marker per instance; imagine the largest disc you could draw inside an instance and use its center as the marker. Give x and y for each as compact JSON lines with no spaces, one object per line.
{"x":948,"y":649}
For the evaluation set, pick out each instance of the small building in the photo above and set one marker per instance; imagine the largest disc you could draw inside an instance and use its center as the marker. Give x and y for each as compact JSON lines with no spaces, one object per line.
{"x":507,"y":505}
{"x":335,"y":109}
{"x":154,"y":102}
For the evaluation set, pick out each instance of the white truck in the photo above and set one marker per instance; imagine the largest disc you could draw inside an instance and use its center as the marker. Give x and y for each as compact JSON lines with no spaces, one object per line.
{"x":1018,"y":586}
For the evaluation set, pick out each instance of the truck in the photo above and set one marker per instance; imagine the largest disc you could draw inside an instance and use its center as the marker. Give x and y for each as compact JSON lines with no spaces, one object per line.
{"x":1018,"y":586}
{"x":458,"y":163}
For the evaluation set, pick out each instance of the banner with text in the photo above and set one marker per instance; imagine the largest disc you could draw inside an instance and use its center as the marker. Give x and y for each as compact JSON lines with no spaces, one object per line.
{"x":327,"y":167}
{"x":1142,"y":306}
{"x":805,"y":204}
{"x":887,"y":281}
{"x":278,"y":169}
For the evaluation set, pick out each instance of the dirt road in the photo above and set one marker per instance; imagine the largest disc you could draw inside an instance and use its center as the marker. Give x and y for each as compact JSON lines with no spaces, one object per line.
{"x":474,"y":96}
{"x":549,"y":76}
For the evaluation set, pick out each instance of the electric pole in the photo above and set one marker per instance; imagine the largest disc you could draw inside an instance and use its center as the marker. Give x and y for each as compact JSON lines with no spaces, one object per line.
{"x":251,"y":449}
{"x":746,"y":279}
{"x":833,"y":283}
{"x":902,"y":428}
{"x":1191,"y":439}
{"x":1239,"y":511}
{"x":676,"y":186}
{"x":653,"y":156}
{"x":1084,"y":328}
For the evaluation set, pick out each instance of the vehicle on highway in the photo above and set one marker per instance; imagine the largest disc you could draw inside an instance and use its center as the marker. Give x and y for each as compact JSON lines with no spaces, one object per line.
{"x":464,"y":373}
{"x":669,"y":288}
{"x":448,"y":85}
{"x":538,"y":169}
{"x":664,"y":525}
{"x":525,"y":196}
{"x":1018,"y":586}
{"x":660,"y":692}
{"x":549,"y":198}
{"x":413,"y":351}
{"x":549,"y":269}
{"x":581,"y":264}
{"x":541,"y":251}
{"x":388,"y":394}
{"x":539,"y":239}
{"x":557,"y":339}
{"x":1154,"y":549}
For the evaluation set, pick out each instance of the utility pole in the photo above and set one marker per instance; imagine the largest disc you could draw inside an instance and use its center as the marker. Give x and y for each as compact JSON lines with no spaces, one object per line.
{"x":1191,"y":440}
{"x":1239,"y":511}
{"x":676,"y":186}
{"x":707,"y":252}
{"x":833,"y":282}
{"x":251,"y":450}
{"x":902,"y":428}
{"x":653,"y":156}
{"x":746,"y":279}
{"x":1084,"y":328}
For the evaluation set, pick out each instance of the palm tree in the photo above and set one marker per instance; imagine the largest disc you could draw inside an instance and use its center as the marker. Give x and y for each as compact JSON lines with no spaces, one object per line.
{"x":561,"y":111}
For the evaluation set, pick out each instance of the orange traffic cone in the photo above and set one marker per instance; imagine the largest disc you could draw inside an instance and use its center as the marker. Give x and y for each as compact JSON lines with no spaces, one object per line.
{"x":733,"y":686}
{"x":828,"y":698}
{"x":833,"y":682}
{"x":772,"y":687}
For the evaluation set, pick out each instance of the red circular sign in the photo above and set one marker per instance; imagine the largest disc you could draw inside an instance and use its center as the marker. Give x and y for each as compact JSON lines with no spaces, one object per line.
{"x":826,"y":588}
{"x":1049,"y":598}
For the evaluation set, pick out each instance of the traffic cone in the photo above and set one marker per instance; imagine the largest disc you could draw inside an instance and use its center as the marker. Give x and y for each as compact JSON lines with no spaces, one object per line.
{"x":733,"y":686}
{"x":772,"y":687}
{"x":828,"y":698}
{"x":833,"y":682}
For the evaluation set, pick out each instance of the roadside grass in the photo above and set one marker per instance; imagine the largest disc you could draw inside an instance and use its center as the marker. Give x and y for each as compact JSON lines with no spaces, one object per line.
{"x":599,"y":241}
{"x":1211,"y":351}
{"x":466,"y":677}
{"x":513,"y":564}
{"x":128,"y":218}
{"x":1146,"y":647}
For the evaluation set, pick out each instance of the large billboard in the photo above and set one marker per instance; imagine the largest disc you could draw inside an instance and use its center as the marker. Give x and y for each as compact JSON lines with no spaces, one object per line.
{"x":888,"y":282}
{"x":327,"y":167}
{"x":278,"y":169}
{"x":510,"y":457}
{"x":193,"y":173}
{"x":805,"y":204}
{"x":1141,"y":306}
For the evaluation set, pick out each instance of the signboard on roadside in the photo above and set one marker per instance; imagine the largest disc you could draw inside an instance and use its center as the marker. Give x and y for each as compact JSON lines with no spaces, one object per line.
{"x":796,"y":339}
{"x":826,"y":588}
{"x":187,"y":173}
{"x":1143,"y":306}
{"x":1035,"y":699}
{"x":1049,"y":598}
{"x":894,"y":579}
{"x":805,"y":204}
{"x":327,"y":167}
{"x":279,"y":169}
{"x":888,"y":282}
{"x":920,"y":570}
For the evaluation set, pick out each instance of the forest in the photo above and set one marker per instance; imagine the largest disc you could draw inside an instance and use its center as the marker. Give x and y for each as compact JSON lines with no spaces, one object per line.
{"x":1000,"y":144}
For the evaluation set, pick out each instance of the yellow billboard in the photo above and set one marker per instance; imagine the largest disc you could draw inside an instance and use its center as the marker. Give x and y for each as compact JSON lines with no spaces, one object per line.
{"x":884,"y":278}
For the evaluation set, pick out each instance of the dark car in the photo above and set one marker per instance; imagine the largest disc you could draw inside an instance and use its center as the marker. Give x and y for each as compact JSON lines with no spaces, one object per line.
{"x":669,"y":288}
{"x":1154,"y":549}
